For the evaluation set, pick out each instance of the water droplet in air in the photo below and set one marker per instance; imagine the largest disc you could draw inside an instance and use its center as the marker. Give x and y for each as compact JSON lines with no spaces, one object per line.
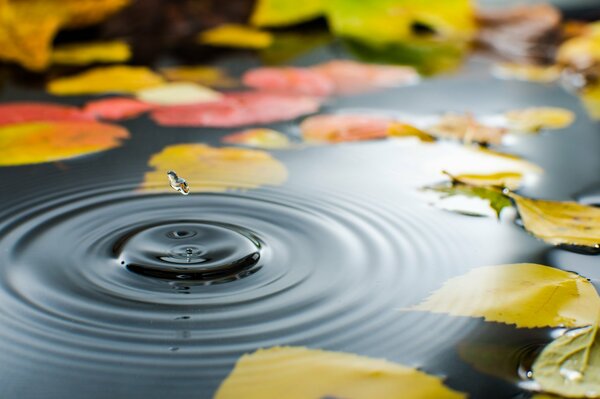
{"x":178,"y":183}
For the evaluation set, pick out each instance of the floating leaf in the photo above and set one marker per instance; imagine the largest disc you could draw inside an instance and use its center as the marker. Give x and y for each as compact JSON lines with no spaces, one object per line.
{"x":527,"y":72}
{"x":215,"y":169}
{"x":580,"y":52}
{"x":238,"y":109}
{"x":38,"y":142}
{"x":289,"y":45}
{"x":399,"y":129}
{"x":259,"y":138}
{"x":19,"y":112}
{"x":233,"y":35}
{"x":557,"y":222}
{"x":116,"y":108}
{"x":27,"y":27}
{"x":285,"y":12}
{"x":203,"y":75}
{"x":467,"y":129}
{"x":339,"y":128}
{"x":88,"y":53}
{"x":570,"y":366}
{"x":114,"y":79}
{"x":525,"y":294}
{"x":289,"y":79}
{"x":492,"y":195}
{"x":590,"y":96}
{"x":275,"y":373}
{"x":178,"y":93}
{"x":510,"y":180}
{"x":537,"y":118}
{"x":350,"y":77}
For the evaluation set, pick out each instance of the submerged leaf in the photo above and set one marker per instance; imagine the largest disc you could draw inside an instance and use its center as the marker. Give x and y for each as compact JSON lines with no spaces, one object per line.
{"x":259,"y":138}
{"x":525,"y":294}
{"x":537,"y":118}
{"x":233,"y":35}
{"x":19,"y":112}
{"x":238,"y":109}
{"x":115,"y":79}
{"x":88,"y":53}
{"x":116,"y":108}
{"x":38,"y":142}
{"x":215,"y":169}
{"x":494,"y":196}
{"x":399,"y":129}
{"x":203,"y":75}
{"x":336,"y":128}
{"x":285,"y":12}
{"x":178,"y":93}
{"x":276,"y":373}
{"x":570,"y":365}
{"x":467,"y":129}
{"x":556,"y":222}
{"x":527,"y":72}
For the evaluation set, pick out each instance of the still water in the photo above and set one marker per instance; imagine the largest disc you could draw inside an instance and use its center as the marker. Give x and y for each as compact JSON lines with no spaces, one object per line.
{"x":107,"y":291}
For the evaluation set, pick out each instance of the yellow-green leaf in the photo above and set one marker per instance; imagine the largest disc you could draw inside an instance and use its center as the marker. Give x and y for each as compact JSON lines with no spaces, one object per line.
{"x":215,"y":169}
{"x":203,"y":75}
{"x":590,"y":96}
{"x":285,"y":12}
{"x":301,"y":373}
{"x":492,"y":195}
{"x":537,"y":118}
{"x":114,"y":79}
{"x":527,"y":295}
{"x":558,"y":222}
{"x":37,"y":142}
{"x":233,"y":35}
{"x":178,"y":93}
{"x":88,"y":53}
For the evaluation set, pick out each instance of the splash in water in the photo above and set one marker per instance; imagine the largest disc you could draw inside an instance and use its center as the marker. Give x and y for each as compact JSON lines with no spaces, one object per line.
{"x":178,"y":183}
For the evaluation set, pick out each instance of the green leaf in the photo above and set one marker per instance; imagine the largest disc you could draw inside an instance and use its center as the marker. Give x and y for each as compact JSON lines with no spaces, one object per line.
{"x":285,"y":12}
{"x":497,"y":200}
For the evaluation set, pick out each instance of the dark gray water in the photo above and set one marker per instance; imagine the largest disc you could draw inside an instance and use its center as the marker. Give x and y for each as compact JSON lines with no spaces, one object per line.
{"x":107,"y":292}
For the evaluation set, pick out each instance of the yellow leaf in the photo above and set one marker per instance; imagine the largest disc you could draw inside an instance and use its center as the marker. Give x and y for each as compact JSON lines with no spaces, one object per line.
{"x":114,"y":79}
{"x":259,"y":138}
{"x":558,"y":222}
{"x":537,"y":118}
{"x":177,"y":93}
{"x":88,"y":53}
{"x":27,"y":27}
{"x":525,"y":294}
{"x":590,"y":96}
{"x":204,"y":75}
{"x":232,"y":35}
{"x":399,"y":129}
{"x":285,"y":12}
{"x":301,"y":373}
{"x":580,"y":52}
{"x":526,"y":72}
{"x":510,"y":180}
{"x":214,"y":169}
{"x":38,"y":142}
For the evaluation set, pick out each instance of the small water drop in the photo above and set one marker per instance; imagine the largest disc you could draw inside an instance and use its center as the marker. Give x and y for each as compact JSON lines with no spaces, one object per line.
{"x":571,"y":375}
{"x":178,"y":183}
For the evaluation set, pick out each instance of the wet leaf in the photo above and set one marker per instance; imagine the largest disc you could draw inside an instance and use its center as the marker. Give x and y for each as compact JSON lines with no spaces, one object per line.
{"x":590,"y":96}
{"x":285,"y":12}
{"x":178,"y":93}
{"x":19,"y":112}
{"x":570,"y":365}
{"x":88,"y":53}
{"x":238,"y":109}
{"x":37,"y":142}
{"x":538,"y":118}
{"x":492,"y":195}
{"x":351,"y":77}
{"x":215,"y":169}
{"x":510,"y":180}
{"x":289,"y":79}
{"x":233,"y":35}
{"x":276,"y":373}
{"x":114,"y":79}
{"x":527,"y":72}
{"x":116,"y":108}
{"x":259,"y":138}
{"x":203,"y":75}
{"x":336,"y":128}
{"x":527,"y":295}
{"x":467,"y":128}
{"x":399,"y":129}
{"x":287,"y":46}
{"x":556,"y":222}
{"x":28,"y":27}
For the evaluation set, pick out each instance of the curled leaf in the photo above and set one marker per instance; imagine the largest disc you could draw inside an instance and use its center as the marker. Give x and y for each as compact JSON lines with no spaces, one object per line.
{"x":116,"y":108}
{"x":88,"y":53}
{"x":200,"y":74}
{"x":537,"y":118}
{"x":468,"y":129}
{"x":339,"y":128}
{"x":19,"y":112}
{"x":557,"y":222}
{"x":37,"y":142}
{"x":259,"y":138}
{"x":233,"y":35}
{"x":114,"y":79}
{"x":274,"y":373}
{"x":177,"y":93}
{"x":527,"y":295}
{"x":399,"y":129}
{"x":215,"y":169}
